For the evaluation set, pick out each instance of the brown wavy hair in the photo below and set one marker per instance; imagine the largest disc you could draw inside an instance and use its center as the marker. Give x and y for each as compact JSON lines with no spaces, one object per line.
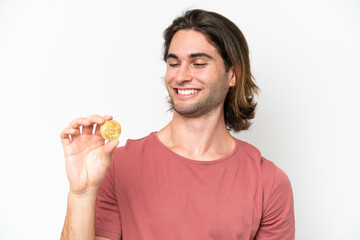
{"x":226,"y":37}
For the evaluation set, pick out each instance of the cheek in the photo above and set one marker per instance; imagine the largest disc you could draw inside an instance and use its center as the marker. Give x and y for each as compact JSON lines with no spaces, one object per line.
{"x":169,"y":75}
{"x":167,"y":79}
{"x":207,"y":75}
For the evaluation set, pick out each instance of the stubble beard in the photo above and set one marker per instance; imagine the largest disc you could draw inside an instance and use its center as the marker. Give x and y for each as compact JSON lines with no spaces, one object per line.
{"x":204,"y":106}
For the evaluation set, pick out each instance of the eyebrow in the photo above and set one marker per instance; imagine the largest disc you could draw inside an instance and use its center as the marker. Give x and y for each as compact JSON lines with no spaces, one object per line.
{"x":192,"y":55}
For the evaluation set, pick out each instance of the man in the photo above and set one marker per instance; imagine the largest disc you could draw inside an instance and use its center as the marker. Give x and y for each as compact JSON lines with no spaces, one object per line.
{"x":191,"y":179}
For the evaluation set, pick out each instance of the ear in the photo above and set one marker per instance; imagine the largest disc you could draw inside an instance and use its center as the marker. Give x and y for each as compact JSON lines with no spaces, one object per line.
{"x":232,"y":76}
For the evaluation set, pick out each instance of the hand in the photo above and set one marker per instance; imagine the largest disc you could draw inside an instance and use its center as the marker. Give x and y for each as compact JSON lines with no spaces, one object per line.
{"x":87,"y":157}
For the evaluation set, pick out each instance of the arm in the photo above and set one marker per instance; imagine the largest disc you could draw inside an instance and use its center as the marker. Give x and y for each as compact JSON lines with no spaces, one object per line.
{"x":87,"y":159}
{"x":80,"y":217}
{"x":81,"y":213}
{"x":278,"y":221}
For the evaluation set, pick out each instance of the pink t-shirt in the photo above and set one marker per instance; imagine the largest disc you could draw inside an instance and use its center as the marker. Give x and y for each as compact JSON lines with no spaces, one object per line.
{"x":152,"y":193}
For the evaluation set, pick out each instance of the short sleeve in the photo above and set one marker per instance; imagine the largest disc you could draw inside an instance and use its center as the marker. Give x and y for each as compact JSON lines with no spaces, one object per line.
{"x":278,"y":222}
{"x":107,"y":220}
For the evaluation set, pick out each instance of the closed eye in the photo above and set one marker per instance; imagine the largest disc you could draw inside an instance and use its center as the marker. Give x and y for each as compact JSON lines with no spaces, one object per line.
{"x":199,"y":65}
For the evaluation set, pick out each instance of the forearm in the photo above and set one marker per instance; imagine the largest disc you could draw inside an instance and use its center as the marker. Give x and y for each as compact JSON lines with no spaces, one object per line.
{"x":80,"y":217}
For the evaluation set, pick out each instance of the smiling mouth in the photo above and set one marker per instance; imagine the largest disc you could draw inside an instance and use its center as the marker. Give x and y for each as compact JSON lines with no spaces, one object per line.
{"x":187,"y":91}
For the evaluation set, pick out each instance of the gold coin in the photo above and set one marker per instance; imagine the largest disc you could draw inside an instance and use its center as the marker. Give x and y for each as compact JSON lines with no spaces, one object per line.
{"x":110,"y":130}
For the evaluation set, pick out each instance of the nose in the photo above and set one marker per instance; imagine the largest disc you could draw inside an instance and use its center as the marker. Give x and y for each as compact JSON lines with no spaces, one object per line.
{"x":183,"y":74}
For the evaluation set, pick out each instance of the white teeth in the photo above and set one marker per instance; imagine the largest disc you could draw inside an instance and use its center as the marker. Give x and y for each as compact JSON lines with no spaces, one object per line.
{"x":187,"y":92}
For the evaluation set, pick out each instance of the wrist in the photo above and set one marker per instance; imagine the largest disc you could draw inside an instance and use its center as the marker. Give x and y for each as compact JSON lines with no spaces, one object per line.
{"x":89,"y":193}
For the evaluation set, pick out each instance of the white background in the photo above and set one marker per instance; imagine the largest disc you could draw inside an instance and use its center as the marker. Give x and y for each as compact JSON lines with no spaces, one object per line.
{"x":63,"y":59}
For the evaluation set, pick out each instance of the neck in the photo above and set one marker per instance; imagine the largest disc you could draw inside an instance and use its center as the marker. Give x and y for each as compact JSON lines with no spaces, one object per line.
{"x":204,"y":138}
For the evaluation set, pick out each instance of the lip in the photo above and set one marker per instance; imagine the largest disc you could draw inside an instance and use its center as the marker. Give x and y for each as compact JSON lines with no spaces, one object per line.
{"x":186,"y":96}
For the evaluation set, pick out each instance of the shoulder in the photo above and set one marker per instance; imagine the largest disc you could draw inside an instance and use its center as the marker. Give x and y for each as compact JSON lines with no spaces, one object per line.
{"x":129,"y":156}
{"x":278,"y":221}
{"x":134,"y":146}
{"x":274,"y":180}
{"x":276,"y":184}
{"x":277,"y":197}
{"x":249,"y":150}
{"x":254,"y":155}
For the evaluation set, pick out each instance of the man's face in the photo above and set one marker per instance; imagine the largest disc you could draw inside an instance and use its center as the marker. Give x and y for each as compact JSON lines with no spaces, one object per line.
{"x":195,"y":77}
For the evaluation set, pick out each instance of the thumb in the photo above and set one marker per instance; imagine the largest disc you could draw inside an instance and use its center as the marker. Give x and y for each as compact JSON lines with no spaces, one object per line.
{"x":109,"y":148}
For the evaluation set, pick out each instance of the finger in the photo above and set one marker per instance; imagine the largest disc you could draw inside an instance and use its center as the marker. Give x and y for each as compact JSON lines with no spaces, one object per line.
{"x":87,"y":129}
{"x":97,"y":119}
{"x":97,"y":128}
{"x":107,"y":117}
{"x":79,"y":122}
{"x":65,"y":135}
{"x":84,"y":124}
{"x":110,"y":146}
{"x":107,"y":151}
{"x":94,"y":120}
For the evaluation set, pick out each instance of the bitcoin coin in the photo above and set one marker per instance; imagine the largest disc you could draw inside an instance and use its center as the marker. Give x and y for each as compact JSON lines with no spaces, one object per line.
{"x":110,"y":130}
